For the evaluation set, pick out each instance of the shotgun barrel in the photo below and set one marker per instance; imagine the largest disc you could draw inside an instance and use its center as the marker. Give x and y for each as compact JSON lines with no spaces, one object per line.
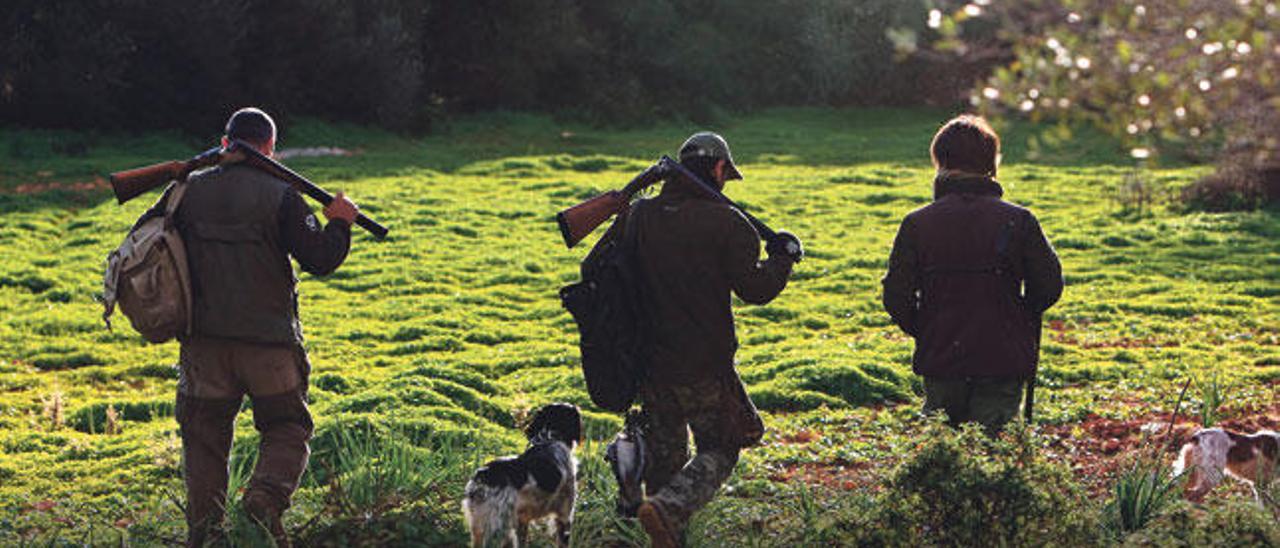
{"x":265,"y":163}
{"x":765,"y":232}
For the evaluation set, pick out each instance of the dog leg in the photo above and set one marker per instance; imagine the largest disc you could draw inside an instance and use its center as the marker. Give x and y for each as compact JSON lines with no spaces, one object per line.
{"x":564,"y":516}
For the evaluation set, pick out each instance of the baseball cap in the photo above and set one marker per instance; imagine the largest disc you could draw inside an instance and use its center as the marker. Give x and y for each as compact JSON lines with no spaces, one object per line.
{"x":706,"y":143}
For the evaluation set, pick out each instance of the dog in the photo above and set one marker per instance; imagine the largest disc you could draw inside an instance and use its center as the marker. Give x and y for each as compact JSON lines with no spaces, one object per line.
{"x":506,"y":494}
{"x":1213,"y":451}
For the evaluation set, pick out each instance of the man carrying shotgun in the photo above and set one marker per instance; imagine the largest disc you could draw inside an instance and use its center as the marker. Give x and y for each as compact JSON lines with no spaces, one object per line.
{"x":240,"y":225}
{"x":692,"y":253}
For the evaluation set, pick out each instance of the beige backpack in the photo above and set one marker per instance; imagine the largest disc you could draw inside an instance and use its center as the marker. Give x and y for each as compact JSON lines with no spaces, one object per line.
{"x":148,"y":276}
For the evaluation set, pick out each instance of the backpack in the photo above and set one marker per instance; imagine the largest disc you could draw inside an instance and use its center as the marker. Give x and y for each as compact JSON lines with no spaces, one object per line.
{"x":148,"y":276}
{"x":611,"y":323}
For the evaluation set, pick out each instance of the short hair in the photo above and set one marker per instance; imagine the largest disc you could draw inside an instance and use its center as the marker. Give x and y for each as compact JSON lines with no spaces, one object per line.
{"x":251,"y":125}
{"x":966,"y":143}
{"x":702,"y":166}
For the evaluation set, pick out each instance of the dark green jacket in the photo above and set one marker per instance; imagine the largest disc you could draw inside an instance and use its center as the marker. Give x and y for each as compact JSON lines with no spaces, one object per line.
{"x":693,"y":253}
{"x":240,"y":226}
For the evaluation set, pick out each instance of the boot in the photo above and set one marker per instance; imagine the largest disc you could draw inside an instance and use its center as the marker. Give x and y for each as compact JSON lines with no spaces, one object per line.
{"x":263,"y":511}
{"x":658,"y":526}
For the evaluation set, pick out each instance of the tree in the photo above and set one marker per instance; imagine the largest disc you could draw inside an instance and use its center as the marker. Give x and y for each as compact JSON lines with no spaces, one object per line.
{"x":1189,"y":77}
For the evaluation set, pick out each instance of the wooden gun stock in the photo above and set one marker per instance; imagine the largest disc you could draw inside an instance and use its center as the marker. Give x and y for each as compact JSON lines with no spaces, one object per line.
{"x":130,"y":183}
{"x":578,"y":221}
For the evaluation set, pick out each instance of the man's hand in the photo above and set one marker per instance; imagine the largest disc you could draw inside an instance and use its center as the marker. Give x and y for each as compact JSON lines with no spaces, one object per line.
{"x":341,"y":208}
{"x":787,"y":244}
{"x":656,"y":172}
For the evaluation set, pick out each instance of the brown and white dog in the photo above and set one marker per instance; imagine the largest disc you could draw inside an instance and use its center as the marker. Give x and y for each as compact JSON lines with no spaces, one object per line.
{"x":1213,"y":451}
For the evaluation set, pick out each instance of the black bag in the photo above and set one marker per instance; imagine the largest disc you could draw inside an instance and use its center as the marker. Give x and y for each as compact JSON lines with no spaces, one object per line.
{"x":606,"y":306}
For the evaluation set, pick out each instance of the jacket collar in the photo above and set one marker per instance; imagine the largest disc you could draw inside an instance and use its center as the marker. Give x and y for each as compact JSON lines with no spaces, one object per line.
{"x":960,"y":182}
{"x":679,"y":189}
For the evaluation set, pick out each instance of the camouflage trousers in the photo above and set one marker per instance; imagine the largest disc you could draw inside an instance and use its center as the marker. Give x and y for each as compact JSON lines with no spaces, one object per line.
{"x":989,"y":401}
{"x":723,"y":421}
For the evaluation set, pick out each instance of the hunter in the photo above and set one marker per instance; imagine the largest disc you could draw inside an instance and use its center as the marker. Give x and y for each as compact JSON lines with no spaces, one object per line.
{"x":969,"y":277}
{"x":240,"y":226}
{"x":692,"y":253}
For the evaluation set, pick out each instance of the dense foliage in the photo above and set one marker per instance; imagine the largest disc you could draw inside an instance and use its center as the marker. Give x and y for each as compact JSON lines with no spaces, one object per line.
{"x":1184,"y":78}
{"x":404,"y":63}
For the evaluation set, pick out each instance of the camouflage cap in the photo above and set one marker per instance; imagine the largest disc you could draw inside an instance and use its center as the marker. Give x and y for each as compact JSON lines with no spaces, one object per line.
{"x":706,"y":143}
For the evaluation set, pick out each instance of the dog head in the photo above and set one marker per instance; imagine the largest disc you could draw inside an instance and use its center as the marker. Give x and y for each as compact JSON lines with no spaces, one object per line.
{"x":557,"y":421}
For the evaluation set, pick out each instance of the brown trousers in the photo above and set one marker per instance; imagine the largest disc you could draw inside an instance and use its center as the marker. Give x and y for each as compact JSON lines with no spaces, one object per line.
{"x":214,"y":376}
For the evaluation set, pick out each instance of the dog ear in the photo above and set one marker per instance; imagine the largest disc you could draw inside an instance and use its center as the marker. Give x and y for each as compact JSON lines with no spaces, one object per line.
{"x":537,"y":424}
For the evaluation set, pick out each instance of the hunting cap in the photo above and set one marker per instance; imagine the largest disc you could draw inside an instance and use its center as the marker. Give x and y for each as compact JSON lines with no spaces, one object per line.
{"x":708,"y":144}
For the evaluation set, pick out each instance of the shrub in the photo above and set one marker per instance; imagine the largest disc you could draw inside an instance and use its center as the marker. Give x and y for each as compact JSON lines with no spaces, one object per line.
{"x":960,"y":488}
{"x":1226,"y":190}
{"x":1234,"y":523}
{"x":1192,"y":78}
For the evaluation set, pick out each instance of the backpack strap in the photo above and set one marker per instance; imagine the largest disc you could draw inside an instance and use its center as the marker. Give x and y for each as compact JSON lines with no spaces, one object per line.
{"x":179,"y":189}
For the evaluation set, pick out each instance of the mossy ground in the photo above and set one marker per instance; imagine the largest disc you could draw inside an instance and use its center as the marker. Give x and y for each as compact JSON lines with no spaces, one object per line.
{"x":450,"y":329}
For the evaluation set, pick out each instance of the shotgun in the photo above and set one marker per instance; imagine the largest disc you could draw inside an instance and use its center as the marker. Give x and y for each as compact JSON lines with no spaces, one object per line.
{"x":130,"y":183}
{"x":580,"y":220}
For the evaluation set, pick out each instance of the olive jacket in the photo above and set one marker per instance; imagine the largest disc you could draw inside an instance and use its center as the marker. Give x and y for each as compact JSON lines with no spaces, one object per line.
{"x":692,"y":254}
{"x":240,"y":226}
{"x":969,"y":277}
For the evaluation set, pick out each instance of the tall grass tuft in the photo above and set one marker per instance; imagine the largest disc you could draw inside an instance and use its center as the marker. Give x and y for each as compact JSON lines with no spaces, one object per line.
{"x":1146,"y":488}
{"x":1139,"y":494}
{"x":372,"y":473}
{"x":1210,"y":401}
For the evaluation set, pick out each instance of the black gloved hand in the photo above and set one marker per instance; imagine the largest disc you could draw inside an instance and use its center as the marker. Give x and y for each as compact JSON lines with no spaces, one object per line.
{"x":656,"y":172}
{"x":785,"y":243}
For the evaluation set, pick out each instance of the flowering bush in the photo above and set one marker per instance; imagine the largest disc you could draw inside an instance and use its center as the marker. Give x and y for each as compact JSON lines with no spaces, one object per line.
{"x":1195,"y":78}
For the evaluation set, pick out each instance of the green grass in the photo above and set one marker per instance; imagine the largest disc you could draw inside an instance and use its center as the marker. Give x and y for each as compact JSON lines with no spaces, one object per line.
{"x":449,"y":332}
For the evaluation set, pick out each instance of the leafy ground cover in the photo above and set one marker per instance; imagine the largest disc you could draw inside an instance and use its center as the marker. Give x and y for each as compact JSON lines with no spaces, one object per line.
{"x":429,"y":348}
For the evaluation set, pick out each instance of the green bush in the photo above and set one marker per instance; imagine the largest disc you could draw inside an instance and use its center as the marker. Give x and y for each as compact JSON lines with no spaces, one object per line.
{"x":961,"y":489}
{"x":1232,"y":523}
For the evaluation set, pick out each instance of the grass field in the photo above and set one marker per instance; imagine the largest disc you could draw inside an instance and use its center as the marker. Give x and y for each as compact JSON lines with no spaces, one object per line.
{"x":430,"y":347}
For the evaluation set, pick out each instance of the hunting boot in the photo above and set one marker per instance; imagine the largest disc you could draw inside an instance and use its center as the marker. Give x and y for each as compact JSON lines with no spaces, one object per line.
{"x":662,"y":533}
{"x":267,"y":514}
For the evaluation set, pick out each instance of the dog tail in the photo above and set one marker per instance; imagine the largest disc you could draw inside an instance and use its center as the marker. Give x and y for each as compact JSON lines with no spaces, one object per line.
{"x":491,"y":515}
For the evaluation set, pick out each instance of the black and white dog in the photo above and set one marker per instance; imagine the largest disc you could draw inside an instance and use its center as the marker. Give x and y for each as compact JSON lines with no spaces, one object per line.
{"x":508,"y":493}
